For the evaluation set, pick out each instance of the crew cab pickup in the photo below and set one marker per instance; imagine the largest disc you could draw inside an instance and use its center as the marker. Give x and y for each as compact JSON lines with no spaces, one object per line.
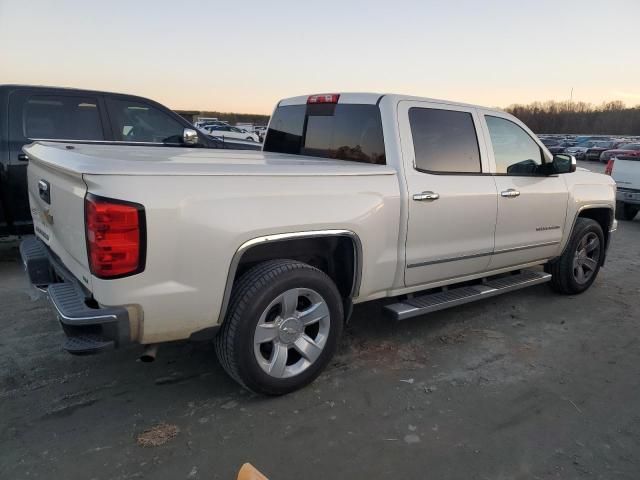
{"x":355,"y":197}
{"x":625,"y":171}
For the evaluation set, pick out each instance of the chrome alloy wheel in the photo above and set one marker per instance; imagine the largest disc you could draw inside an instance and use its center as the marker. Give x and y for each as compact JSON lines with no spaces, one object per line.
{"x":586,"y":258}
{"x":291,"y":332}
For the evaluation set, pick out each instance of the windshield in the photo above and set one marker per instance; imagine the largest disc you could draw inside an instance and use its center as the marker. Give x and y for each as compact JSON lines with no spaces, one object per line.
{"x":340,"y":131}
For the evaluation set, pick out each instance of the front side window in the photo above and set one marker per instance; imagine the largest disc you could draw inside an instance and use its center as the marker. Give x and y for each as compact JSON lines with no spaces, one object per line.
{"x":340,"y":131}
{"x":444,"y":141}
{"x":133,"y":121}
{"x":515,"y":152}
{"x":62,"y":118}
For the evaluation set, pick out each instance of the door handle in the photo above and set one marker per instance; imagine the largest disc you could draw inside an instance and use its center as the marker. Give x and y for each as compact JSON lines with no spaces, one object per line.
{"x":425,"y":196}
{"x":23,"y":158}
{"x":510,"y":193}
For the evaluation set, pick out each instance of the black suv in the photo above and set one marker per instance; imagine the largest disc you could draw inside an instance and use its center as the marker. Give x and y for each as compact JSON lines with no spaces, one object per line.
{"x":50,"y":113}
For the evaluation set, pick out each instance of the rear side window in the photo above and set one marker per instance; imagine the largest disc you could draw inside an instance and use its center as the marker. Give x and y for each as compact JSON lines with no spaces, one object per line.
{"x":62,"y":118}
{"x":444,"y":141}
{"x":133,"y":121}
{"x":339,"y":131}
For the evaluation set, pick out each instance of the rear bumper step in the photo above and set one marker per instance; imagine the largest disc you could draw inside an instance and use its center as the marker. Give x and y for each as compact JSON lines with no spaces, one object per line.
{"x":452,"y":297}
{"x":88,"y":330}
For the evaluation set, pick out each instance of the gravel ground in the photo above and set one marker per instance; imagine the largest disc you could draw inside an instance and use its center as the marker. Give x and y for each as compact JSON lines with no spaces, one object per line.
{"x":530,"y":385}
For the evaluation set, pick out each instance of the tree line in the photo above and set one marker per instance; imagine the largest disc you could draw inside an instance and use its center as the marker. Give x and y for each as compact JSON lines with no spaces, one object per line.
{"x":609,"y":118}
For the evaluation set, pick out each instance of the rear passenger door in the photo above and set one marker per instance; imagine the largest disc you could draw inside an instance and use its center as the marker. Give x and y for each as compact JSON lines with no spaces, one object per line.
{"x":452,"y":200}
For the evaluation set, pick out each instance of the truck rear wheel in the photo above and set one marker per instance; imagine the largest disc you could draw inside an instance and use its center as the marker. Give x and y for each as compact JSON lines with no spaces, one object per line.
{"x":283,"y":326}
{"x":625,"y":211}
{"x":578,"y":267}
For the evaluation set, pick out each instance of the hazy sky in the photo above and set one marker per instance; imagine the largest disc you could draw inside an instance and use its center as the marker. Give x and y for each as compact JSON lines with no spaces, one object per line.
{"x":243,"y":55}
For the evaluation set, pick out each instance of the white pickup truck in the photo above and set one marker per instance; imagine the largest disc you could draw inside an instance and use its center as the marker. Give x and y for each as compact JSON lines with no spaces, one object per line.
{"x":355,"y":197}
{"x":625,"y":170}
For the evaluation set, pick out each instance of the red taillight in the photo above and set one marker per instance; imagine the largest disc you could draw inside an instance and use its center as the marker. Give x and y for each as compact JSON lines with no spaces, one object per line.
{"x":324,"y":98}
{"x":115,"y":237}
{"x":609,"y":167}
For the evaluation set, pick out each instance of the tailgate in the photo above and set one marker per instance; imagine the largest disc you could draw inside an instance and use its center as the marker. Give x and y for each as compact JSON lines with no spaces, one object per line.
{"x":626,"y":173}
{"x":56,"y":197}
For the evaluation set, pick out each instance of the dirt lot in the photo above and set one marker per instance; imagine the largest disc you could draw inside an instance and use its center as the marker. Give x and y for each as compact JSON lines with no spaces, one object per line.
{"x":529,"y":385}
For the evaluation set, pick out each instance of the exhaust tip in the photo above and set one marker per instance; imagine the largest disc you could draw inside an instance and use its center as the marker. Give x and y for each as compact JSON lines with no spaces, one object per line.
{"x":149,"y":353}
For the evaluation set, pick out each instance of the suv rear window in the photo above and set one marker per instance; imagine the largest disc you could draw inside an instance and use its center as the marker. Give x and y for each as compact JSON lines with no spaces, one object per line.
{"x":339,"y":131}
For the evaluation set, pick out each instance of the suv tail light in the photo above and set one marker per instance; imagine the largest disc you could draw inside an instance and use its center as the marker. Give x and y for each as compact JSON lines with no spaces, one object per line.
{"x":324,"y":98}
{"x":116,"y":234}
{"x":609,"y":167}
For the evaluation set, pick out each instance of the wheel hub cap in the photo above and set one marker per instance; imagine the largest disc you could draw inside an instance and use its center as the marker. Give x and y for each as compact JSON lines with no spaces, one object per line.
{"x":586,"y":258}
{"x":289,"y":330}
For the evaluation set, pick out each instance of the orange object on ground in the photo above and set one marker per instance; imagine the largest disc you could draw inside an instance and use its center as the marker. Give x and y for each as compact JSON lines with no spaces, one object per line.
{"x":249,"y":472}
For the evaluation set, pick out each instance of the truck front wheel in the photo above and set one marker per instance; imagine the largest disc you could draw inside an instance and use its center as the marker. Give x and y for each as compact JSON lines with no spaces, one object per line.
{"x":577,"y":268}
{"x":283,"y":326}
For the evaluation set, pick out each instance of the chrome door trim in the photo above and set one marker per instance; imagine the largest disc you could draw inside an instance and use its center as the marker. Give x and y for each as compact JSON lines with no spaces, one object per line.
{"x":525,"y":247}
{"x":235,"y":261}
{"x":450,"y":259}
{"x":478,"y":255}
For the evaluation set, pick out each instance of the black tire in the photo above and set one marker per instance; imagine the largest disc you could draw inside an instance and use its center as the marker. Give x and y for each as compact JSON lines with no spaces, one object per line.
{"x":251,"y":297}
{"x":563,"y":270}
{"x":625,"y":211}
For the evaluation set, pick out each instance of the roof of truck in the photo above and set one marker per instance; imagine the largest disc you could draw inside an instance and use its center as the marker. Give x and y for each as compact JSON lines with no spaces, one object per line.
{"x":14,"y":86}
{"x":373,"y":98}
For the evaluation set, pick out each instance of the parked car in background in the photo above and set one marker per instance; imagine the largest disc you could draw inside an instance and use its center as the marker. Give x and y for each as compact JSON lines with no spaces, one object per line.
{"x":594,"y":152}
{"x":579,"y":151}
{"x":582,"y":140}
{"x":354,"y":198}
{"x":227,"y":131}
{"x":625,"y":171}
{"x":261,"y":131}
{"x":627,"y":149}
{"x":202,"y":126}
{"x":202,"y":121}
{"x":30,"y":113}
{"x":556,"y":145}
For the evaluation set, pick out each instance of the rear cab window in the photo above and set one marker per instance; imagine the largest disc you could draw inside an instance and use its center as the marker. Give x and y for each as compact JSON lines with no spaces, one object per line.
{"x":53,"y":117}
{"x":346,"y":131}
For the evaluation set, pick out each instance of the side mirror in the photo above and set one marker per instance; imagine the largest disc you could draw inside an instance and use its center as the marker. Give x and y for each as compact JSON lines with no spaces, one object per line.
{"x":563,"y":163}
{"x":189,"y":136}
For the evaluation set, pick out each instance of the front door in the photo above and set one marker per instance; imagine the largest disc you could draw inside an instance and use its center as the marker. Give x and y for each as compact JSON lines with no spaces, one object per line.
{"x":452,"y":202}
{"x":532,"y":205}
